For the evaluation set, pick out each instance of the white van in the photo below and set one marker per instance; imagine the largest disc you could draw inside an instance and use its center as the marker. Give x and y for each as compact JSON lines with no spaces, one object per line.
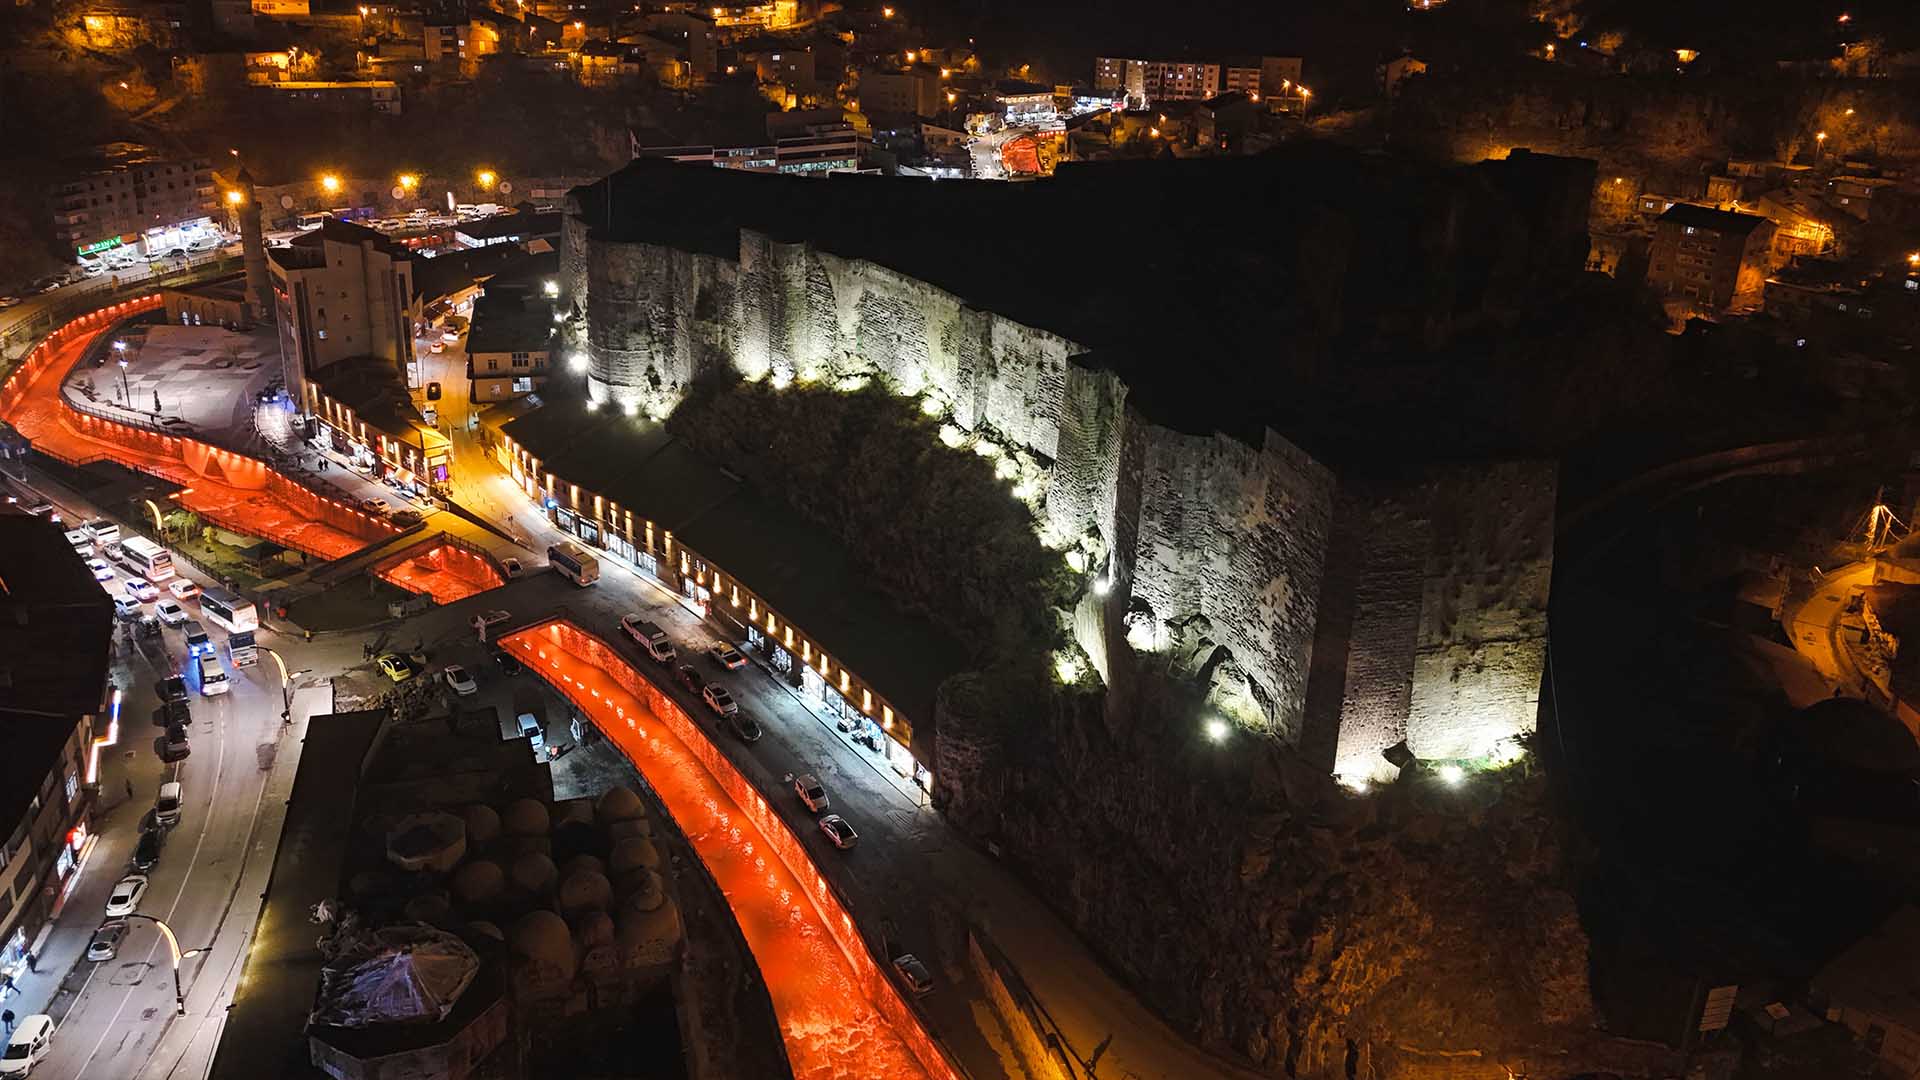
{"x":30,"y":1044}
{"x":166,"y":808}
{"x":102,"y":531}
{"x":213,"y":676}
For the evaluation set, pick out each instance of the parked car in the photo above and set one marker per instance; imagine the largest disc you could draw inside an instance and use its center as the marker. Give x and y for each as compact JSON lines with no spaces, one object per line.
{"x":744,"y":727}
{"x":690,"y":678}
{"x":140,"y":589}
{"x":406,"y":517}
{"x":105,"y":944}
{"x":913,"y":973}
{"x":459,"y":681}
{"x":450,"y":335}
{"x":147,"y":852}
{"x":507,"y":663}
{"x":148,"y":626}
{"x":437,"y":348}
{"x":530,"y":730}
{"x":433,"y":391}
{"x":838,"y":832}
{"x":126,"y":607}
{"x":726,"y":656}
{"x":81,"y":540}
{"x":374,"y":504}
{"x":126,"y":896}
{"x":30,"y":1044}
{"x":395,"y":667}
{"x":101,"y":571}
{"x":811,"y":792}
{"x":173,"y":714}
{"x":171,"y":688}
{"x":718,"y":699}
{"x":173,"y":745}
{"x":512,"y":566}
{"x":183,"y":590}
{"x":170,"y":612}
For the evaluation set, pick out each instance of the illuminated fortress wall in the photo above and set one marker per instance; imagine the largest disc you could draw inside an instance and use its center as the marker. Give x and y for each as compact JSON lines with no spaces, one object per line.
{"x":1426,"y":622}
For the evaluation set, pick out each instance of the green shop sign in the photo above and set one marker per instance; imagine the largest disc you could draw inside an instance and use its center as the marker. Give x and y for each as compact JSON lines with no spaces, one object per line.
{"x":101,"y":245}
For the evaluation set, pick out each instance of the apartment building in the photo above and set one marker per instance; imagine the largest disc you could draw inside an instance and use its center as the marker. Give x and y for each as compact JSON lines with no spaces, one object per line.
{"x":342,"y":291}
{"x":1715,"y":258}
{"x":1193,"y":80}
{"x":509,"y":347}
{"x":123,"y":193}
{"x":59,"y":712}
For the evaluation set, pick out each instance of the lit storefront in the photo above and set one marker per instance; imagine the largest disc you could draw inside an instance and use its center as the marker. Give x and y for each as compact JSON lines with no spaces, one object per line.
{"x":405,"y":451}
{"x":712,"y":593}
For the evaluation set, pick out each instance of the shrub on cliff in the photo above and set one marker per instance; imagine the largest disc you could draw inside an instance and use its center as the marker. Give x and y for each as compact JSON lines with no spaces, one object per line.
{"x":936,"y":529}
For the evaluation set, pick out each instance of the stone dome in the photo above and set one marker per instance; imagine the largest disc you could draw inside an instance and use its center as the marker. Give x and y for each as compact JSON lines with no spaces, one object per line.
{"x":618,"y":804}
{"x":483,"y":825}
{"x":585,"y":890}
{"x":649,"y":937}
{"x":533,"y":872}
{"x":428,"y":907}
{"x":633,"y":853}
{"x":641,"y":889}
{"x":525,"y":817}
{"x":478,"y":882}
{"x":580,"y":810}
{"x":543,"y":938}
{"x":584,"y":862}
{"x":483,"y":928}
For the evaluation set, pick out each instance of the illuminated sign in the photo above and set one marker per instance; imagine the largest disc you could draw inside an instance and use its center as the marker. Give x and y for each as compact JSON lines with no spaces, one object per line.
{"x":101,"y":245}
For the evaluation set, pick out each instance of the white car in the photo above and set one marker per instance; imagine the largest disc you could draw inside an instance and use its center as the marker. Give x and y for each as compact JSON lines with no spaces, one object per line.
{"x":459,"y":681}
{"x":838,"y":832}
{"x":718,"y":699}
{"x":374,"y":504}
{"x":182,"y":589}
{"x":171,"y":613}
{"x":101,"y":571}
{"x":82,"y":541}
{"x":811,"y":792}
{"x":126,"y":896}
{"x":140,"y":589}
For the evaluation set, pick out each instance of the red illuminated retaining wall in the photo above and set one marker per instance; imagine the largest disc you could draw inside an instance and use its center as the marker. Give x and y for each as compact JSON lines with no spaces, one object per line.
{"x":233,"y":490}
{"x":879,"y":989}
{"x":455,"y":569}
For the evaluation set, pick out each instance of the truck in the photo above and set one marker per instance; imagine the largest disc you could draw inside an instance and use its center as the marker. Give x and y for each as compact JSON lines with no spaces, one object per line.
{"x":649,"y":636}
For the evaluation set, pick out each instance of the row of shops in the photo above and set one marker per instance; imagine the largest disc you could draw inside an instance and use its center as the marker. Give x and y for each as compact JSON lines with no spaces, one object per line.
{"x":734,"y":610}
{"x":401,"y":450}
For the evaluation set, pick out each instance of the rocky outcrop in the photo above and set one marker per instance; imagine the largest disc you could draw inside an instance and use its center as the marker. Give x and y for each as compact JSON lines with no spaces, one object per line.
{"x":1270,"y":914}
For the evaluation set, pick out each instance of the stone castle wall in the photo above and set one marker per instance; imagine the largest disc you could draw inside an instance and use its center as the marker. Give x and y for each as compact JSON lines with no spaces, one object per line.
{"x":1220,"y":549}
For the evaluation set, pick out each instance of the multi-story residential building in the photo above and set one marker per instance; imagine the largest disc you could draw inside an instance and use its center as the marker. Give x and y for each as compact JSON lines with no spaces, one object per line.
{"x":119,"y":25}
{"x":819,"y":141}
{"x":1715,"y":258}
{"x":342,"y":291}
{"x":126,"y":196}
{"x":1194,"y":80}
{"x":372,"y":95}
{"x":445,"y":40}
{"x":509,"y":346}
{"x":694,"y":31}
{"x":914,"y":92}
{"x":56,"y":633}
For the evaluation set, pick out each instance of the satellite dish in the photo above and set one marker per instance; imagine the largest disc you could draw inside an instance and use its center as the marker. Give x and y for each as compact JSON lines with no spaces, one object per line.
{"x":286,"y":202}
{"x":506,"y":188}
{"x":398,"y":193}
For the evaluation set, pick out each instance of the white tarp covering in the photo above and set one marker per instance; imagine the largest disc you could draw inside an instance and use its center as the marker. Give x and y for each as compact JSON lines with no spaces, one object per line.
{"x":399,"y":975}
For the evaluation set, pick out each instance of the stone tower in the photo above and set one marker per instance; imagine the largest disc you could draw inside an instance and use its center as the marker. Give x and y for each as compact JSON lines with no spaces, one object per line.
{"x":253,"y":249}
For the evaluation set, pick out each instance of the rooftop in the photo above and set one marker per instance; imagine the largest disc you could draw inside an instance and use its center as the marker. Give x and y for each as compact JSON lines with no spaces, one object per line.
{"x":1706,"y":217}
{"x":456,"y":270}
{"x":510,"y":320}
{"x":56,"y":627}
{"x":518,"y":225}
{"x":376,"y":394}
{"x":1309,"y":264}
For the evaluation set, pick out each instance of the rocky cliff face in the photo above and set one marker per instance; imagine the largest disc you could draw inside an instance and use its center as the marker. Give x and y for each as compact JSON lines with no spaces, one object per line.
{"x":1268,"y":913}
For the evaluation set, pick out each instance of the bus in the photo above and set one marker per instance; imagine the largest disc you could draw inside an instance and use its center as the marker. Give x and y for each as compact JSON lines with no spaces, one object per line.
{"x":228,"y":611}
{"x":154,"y":562}
{"x":572,"y":562}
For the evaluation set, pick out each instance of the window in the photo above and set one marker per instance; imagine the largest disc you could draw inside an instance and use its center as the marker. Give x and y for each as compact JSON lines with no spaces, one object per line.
{"x":493,"y":363}
{"x":1689,"y":230}
{"x":73,"y":785}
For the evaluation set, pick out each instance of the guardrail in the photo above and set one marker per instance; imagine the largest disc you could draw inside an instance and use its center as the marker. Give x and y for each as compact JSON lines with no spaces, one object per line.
{"x":79,"y":299}
{"x":826,"y":898}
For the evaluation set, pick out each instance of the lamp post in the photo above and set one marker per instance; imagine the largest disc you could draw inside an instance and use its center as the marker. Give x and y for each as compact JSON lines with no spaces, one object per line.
{"x":158,"y":525}
{"x":120,"y":353}
{"x":286,"y":684}
{"x":173,"y":951}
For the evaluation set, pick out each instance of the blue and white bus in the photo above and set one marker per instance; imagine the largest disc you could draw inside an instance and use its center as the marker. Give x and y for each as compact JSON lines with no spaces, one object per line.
{"x":227,"y":611}
{"x":572,"y":562}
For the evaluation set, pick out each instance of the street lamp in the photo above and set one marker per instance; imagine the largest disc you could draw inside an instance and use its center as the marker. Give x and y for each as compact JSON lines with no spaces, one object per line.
{"x":486,"y":178}
{"x":330,"y":184}
{"x":158,"y":525}
{"x":286,"y":685}
{"x":126,"y":396}
{"x":408,"y":182}
{"x":173,"y":951}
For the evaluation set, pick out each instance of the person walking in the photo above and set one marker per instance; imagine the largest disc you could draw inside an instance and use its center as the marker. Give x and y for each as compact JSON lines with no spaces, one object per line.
{"x":129,"y":789}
